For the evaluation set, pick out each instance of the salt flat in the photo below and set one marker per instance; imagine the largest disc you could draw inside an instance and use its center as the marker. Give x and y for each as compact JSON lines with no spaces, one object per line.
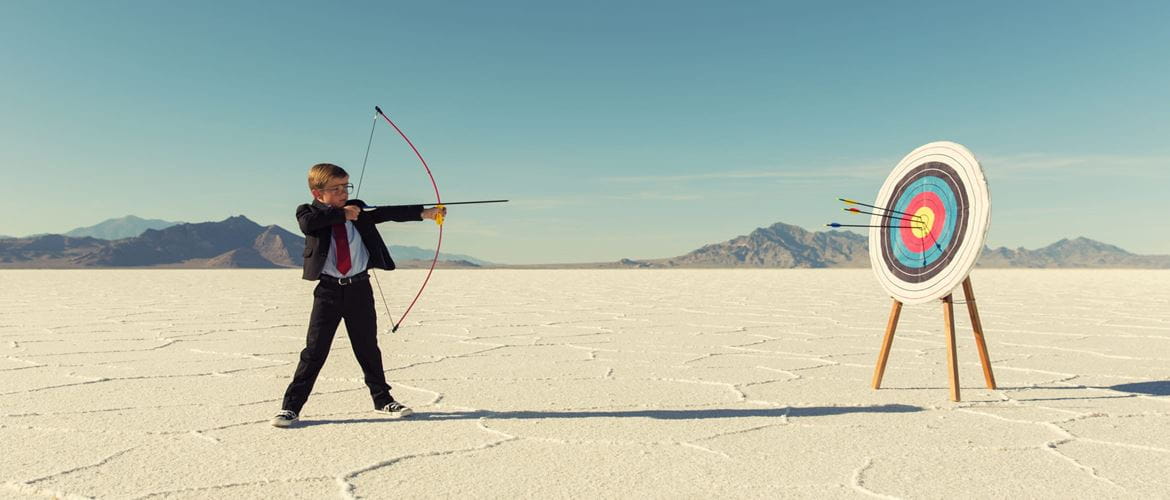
{"x":615,"y":383}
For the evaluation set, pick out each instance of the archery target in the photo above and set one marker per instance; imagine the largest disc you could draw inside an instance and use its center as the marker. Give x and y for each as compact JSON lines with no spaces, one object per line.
{"x":937,"y":212}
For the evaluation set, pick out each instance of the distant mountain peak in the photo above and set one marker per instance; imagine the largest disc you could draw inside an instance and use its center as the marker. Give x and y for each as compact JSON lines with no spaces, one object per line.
{"x":1082,"y":245}
{"x":781,"y":226}
{"x":778,"y":245}
{"x":239,"y":220}
{"x":233,"y":242}
{"x":122,"y":227}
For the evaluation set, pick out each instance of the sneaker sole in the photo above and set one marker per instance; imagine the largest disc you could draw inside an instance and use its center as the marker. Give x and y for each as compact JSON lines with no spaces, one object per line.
{"x":283,"y":424}
{"x":399,"y":414}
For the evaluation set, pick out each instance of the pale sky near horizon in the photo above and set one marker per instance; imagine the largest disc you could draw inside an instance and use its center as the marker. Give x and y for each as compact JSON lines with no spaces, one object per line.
{"x":618,"y":129}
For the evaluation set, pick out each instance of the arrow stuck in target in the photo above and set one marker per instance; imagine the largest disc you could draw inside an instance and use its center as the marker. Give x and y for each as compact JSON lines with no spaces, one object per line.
{"x":917,"y":218}
{"x":884,"y":209}
{"x":916,"y":221}
{"x":835,"y":224}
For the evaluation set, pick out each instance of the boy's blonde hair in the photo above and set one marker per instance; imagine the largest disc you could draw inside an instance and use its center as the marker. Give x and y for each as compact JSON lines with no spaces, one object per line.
{"x":320,"y":174}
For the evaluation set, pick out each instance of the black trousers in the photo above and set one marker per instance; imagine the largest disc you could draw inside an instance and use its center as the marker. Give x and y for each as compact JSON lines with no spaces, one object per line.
{"x":331,"y":303}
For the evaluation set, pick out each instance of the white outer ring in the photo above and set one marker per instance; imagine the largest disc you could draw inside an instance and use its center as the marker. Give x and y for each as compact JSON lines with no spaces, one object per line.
{"x":978,"y":222}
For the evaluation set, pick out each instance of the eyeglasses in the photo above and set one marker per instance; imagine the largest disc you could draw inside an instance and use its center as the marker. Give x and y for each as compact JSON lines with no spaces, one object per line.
{"x":348,"y":188}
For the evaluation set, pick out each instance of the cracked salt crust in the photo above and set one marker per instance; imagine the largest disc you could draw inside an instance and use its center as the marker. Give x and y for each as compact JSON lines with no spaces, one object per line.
{"x":747,"y":383}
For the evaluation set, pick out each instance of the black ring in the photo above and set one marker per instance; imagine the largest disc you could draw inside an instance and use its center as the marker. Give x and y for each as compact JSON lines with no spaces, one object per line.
{"x":954,"y":182}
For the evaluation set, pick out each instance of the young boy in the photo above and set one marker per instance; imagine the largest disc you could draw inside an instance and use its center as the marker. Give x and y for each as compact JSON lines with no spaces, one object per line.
{"x":341,"y":243}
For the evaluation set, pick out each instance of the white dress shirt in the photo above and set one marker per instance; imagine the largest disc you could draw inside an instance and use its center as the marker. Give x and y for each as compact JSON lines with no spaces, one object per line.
{"x":359,"y":258}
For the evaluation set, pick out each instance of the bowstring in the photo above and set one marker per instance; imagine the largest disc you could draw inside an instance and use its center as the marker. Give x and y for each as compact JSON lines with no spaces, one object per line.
{"x":358,"y":192}
{"x":369,"y":143}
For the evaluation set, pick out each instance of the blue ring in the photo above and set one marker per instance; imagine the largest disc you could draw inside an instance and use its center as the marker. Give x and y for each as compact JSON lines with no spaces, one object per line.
{"x":938,"y":186}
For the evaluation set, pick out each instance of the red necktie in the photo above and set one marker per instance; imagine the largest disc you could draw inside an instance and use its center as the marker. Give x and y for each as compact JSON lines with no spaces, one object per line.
{"x":342,"y":241}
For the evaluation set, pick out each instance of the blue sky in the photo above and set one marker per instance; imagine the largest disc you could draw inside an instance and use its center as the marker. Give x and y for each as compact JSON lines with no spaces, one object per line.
{"x":619,"y":129}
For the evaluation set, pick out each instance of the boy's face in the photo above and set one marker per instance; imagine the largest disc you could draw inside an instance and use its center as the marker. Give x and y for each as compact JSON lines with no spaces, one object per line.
{"x":335,"y":193}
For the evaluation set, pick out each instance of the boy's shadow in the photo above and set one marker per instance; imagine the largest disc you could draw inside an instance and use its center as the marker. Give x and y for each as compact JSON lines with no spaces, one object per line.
{"x":815,"y":411}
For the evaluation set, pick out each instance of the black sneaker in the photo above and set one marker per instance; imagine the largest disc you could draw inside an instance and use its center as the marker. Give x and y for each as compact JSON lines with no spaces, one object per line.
{"x":284,"y":418}
{"x":395,"y":410}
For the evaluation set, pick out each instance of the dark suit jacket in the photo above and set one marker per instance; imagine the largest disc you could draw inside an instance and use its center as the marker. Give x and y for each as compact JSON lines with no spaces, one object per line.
{"x":317,"y":219}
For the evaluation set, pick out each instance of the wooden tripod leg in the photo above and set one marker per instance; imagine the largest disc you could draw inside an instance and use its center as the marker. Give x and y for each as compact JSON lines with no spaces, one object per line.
{"x":880,"y":369}
{"x":977,"y":325}
{"x":952,"y":359}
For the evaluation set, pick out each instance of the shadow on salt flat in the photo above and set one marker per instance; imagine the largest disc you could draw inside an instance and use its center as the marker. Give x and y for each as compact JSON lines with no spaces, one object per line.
{"x":1135,"y":389}
{"x":815,"y":411}
{"x":1155,"y":388}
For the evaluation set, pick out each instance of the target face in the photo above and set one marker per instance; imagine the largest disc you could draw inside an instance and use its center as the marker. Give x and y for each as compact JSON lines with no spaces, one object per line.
{"x":937,"y":211}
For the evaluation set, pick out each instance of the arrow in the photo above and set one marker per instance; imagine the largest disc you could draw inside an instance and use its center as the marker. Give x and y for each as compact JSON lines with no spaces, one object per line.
{"x":856,"y":211}
{"x":364,"y":206}
{"x":834,"y":224}
{"x":884,"y":209}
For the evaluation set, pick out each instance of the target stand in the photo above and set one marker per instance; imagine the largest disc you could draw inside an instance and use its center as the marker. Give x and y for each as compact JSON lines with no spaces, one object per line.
{"x":926,"y":233}
{"x":949,"y":322}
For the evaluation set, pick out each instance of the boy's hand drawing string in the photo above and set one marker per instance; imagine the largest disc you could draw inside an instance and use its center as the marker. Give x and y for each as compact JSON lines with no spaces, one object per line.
{"x":438,"y":217}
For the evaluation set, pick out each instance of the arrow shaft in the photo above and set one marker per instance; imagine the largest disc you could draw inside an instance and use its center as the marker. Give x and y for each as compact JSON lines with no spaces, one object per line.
{"x":434,"y":204}
{"x":856,"y":211}
{"x":868,"y":225}
{"x":884,"y":209}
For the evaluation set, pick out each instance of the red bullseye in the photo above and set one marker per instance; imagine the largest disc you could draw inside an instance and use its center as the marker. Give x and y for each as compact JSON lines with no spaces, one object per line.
{"x":929,"y":207}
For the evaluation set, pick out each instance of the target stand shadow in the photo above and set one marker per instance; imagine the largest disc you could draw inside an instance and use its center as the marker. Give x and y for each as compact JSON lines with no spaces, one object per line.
{"x":952,"y":357}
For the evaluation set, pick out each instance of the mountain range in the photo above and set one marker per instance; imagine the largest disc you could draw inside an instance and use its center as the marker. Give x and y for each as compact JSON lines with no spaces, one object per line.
{"x":237,"y":242}
{"x":786,"y":246}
